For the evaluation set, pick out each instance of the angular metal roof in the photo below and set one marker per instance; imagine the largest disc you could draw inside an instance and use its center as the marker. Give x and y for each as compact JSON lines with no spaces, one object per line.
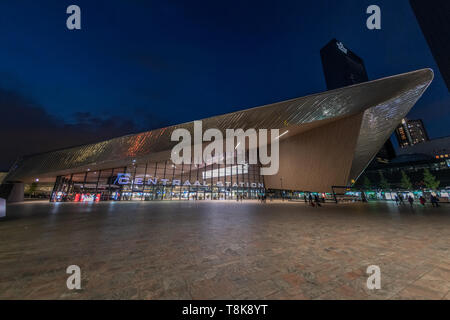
{"x":384,"y":103}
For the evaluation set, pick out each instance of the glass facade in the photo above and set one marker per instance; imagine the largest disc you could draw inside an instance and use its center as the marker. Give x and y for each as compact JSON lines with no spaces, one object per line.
{"x":162,"y":181}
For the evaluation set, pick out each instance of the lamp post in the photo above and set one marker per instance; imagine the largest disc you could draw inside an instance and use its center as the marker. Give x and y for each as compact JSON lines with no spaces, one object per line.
{"x":281,"y":186}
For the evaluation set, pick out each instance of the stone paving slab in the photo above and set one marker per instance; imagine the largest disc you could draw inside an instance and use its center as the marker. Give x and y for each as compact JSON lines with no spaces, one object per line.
{"x":224,"y":250}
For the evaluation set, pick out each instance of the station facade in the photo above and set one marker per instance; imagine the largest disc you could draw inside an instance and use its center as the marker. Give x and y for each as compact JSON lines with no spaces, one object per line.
{"x":162,"y":181}
{"x":326,"y":140}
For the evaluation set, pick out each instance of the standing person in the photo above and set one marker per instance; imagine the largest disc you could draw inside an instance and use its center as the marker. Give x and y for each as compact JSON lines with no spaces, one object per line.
{"x":396,"y":199}
{"x":410,"y":200}
{"x":363,"y":197}
{"x":310,"y":199}
{"x":400,"y":198}
{"x":304,"y":197}
{"x":434,"y":201}
{"x":422,"y":201}
{"x":316,"y":200}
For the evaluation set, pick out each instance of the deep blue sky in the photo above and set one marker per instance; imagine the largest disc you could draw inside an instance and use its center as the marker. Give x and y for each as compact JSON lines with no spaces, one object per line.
{"x":137,"y":65}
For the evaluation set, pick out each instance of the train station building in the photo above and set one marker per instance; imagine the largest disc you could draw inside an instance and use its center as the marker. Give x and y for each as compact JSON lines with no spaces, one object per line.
{"x":325,"y":140}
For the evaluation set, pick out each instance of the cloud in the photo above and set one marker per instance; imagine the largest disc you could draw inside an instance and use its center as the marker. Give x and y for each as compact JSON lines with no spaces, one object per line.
{"x":27,"y":128}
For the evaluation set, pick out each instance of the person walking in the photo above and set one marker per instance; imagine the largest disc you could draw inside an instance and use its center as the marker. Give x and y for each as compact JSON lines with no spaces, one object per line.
{"x":304,"y":197}
{"x":310,"y":200}
{"x":316,"y":200}
{"x":396,"y":199}
{"x":422,"y":201}
{"x":410,"y":200}
{"x":434,"y":201}
{"x":400,"y":199}
{"x":363,"y":197}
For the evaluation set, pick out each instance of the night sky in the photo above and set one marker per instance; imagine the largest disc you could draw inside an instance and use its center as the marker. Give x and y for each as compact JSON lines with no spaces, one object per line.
{"x":139,"y":65}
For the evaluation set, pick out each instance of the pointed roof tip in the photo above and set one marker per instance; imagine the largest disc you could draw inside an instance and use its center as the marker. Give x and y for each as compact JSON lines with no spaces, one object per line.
{"x":428,"y":72}
{"x":421,"y":75}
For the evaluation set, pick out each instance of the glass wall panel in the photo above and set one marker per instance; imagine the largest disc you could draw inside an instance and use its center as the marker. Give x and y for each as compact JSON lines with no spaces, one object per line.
{"x":162,"y":181}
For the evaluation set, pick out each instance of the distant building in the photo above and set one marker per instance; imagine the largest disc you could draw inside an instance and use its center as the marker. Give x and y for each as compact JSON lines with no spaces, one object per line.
{"x":434,"y":20}
{"x":411,"y":132}
{"x":433,"y":155}
{"x":436,"y":148}
{"x":386,"y":153}
{"x":413,"y":165}
{"x":341,"y":66}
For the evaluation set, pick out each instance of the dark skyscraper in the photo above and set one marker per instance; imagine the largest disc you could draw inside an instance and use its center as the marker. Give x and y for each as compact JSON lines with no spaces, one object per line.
{"x":434,"y":20}
{"x":341,"y":66}
{"x":386,"y":153}
{"x":411,"y":132}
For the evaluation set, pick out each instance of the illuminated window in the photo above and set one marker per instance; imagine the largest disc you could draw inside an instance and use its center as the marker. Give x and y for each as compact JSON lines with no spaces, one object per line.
{"x":228,"y":171}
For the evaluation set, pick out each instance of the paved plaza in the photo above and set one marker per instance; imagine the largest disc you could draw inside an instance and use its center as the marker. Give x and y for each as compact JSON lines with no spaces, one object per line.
{"x":224,"y":250}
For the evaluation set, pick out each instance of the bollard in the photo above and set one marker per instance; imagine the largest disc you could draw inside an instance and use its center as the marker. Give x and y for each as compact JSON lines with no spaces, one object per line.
{"x":2,"y":208}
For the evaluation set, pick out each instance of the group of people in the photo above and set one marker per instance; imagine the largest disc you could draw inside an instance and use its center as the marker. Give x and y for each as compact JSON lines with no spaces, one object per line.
{"x":400,"y":201}
{"x":313,"y":200}
{"x":262,"y":198}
